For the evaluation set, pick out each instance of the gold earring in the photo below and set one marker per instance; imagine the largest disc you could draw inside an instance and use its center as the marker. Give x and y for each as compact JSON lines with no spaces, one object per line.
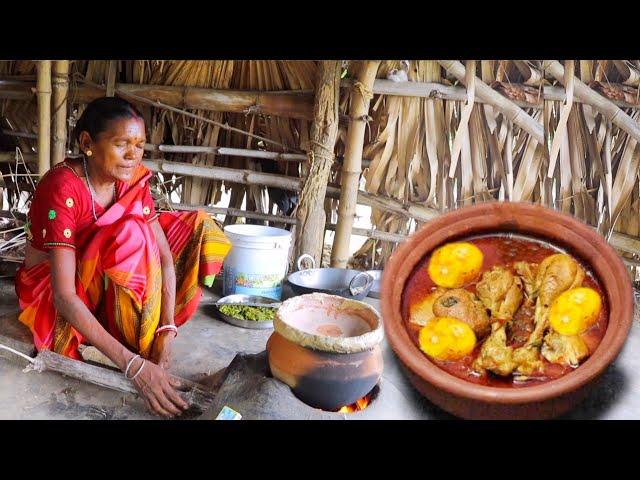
{"x":89,"y":153}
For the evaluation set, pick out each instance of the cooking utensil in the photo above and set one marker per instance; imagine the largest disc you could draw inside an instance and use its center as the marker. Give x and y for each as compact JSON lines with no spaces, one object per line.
{"x":343,"y":282}
{"x":246,"y":301}
{"x":377,"y":280}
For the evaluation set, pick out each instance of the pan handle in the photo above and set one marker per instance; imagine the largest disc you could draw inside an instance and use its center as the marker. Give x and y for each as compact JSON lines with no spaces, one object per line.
{"x":304,"y":256}
{"x":355,"y":291}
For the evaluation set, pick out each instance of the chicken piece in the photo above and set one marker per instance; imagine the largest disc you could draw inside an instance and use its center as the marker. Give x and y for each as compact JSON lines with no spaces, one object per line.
{"x":527,"y":359}
{"x":527,"y":273}
{"x":564,"y":349}
{"x":495,"y":355}
{"x":501,"y":292}
{"x":421,"y":312}
{"x":463,"y":305}
{"x":556,"y":274}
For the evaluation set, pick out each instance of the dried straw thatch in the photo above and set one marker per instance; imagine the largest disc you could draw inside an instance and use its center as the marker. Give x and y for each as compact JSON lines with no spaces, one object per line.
{"x":438,"y":135}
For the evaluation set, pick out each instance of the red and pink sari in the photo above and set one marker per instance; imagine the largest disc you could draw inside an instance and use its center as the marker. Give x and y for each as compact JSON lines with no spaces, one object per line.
{"x":118,"y":274}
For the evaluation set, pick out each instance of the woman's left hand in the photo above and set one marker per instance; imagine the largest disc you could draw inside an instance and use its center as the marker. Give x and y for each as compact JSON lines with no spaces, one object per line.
{"x":161,"y":351}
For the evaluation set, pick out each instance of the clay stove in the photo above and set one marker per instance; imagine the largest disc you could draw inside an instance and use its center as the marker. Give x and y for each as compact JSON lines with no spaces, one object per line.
{"x":249,"y":389}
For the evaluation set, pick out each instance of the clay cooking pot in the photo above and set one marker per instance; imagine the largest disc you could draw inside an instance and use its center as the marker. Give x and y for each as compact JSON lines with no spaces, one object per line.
{"x":545,"y":400}
{"x":327,"y":349}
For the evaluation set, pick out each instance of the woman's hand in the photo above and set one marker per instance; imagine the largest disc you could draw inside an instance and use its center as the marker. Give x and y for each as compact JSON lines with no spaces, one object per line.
{"x":161,"y":350}
{"x":157,"y":389}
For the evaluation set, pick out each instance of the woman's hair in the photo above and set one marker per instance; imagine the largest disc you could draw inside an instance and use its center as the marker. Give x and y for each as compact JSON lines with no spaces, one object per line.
{"x":101,"y":112}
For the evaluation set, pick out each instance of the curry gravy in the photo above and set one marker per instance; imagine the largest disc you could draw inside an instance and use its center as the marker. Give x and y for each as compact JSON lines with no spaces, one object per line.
{"x":502,"y":250}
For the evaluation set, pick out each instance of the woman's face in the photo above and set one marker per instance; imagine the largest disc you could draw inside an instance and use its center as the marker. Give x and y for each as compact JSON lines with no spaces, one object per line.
{"x":118,"y":150}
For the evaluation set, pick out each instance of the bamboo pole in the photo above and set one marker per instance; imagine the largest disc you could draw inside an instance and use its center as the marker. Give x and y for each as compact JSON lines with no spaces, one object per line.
{"x":284,"y":104}
{"x":10,"y":157}
{"x":623,"y":96}
{"x":240,"y":152}
{"x":561,"y":128}
{"x":513,"y":113}
{"x":235,"y":212}
{"x":44,"y":115}
{"x":324,"y":131}
{"x":287,"y":103}
{"x":111,"y":78}
{"x":603,"y":105}
{"x":622,"y":242}
{"x":296,"y":102}
{"x":374,"y":234}
{"x":60,"y":90}
{"x":250,"y":177}
{"x":246,"y":177}
{"x":236,"y":152}
{"x":158,"y":104}
{"x":11,"y":133}
{"x":352,"y":164}
{"x":462,"y":133}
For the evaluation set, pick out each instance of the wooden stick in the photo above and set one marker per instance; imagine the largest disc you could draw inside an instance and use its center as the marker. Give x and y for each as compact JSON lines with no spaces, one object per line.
{"x":111,"y":78}
{"x":21,"y":346}
{"x":284,"y":104}
{"x":236,"y":212}
{"x":250,"y":177}
{"x":352,"y":164}
{"x":238,"y":152}
{"x":514,"y":113}
{"x":10,"y":157}
{"x":196,"y":395}
{"x":620,"y":241}
{"x":448,"y":92}
{"x":246,"y":177}
{"x":11,"y":133}
{"x":375,"y":234}
{"x":14,"y":89}
{"x":224,"y":126}
{"x":44,"y":116}
{"x":365,"y":232}
{"x":60,"y":89}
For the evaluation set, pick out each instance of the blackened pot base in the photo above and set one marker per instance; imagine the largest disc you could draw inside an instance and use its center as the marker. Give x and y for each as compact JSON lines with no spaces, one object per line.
{"x":324,"y":380}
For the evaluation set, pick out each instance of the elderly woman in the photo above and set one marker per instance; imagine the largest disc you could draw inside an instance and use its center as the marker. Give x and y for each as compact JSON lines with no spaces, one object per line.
{"x":103,"y":268}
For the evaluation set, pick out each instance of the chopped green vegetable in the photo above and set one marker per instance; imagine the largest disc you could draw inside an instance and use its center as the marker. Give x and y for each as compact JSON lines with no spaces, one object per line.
{"x":256,"y":314}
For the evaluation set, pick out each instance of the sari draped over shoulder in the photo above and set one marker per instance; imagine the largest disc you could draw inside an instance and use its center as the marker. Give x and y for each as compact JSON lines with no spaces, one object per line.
{"x":119,"y":276}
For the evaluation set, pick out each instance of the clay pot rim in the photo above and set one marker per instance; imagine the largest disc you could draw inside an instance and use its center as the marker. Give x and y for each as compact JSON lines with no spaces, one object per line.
{"x":360,"y":343}
{"x":569,"y":233}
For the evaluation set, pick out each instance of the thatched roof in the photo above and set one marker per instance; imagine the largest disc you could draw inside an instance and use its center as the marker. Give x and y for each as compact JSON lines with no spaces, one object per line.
{"x":410,"y":136}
